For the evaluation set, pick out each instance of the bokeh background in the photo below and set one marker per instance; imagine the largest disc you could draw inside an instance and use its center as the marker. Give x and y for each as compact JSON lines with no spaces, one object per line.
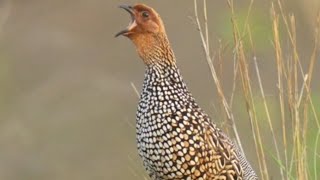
{"x":67,"y":107}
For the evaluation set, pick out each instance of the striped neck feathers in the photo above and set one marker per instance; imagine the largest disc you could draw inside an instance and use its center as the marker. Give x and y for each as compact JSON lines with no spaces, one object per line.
{"x":154,"y":48}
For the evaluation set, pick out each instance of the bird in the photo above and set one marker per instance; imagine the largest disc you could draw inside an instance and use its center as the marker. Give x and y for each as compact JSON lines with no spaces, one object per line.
{"x":175,"y":138}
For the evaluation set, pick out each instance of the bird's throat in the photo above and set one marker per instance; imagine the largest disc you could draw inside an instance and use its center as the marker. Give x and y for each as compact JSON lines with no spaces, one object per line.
{"x":153,"y":48}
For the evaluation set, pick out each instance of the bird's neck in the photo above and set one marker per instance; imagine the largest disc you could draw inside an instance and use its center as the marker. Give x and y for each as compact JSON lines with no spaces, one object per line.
{"x":165,"y":74}
{"x":154,"y":48}
{"x":163,"y":70}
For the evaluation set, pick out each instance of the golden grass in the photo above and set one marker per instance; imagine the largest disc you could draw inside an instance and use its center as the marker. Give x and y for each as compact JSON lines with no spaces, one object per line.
{"x":292,"y":148}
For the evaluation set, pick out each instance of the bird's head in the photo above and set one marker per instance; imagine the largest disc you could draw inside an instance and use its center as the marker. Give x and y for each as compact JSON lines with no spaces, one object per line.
{"x":146,"y":31}
{"x":144,"y":21}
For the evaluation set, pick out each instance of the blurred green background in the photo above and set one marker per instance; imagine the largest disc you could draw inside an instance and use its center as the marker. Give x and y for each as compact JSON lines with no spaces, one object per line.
{"x":67,"y":108}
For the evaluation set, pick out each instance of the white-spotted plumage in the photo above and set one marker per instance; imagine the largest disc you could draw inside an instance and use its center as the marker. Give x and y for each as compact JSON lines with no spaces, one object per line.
{"x":176,"y":138}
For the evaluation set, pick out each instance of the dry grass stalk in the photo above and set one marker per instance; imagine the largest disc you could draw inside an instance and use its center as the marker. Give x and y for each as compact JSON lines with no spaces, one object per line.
{"x":205,"y":42}
{"x":280,"y":74}
{"x":247,"y":90}
{"x":294,"y":93}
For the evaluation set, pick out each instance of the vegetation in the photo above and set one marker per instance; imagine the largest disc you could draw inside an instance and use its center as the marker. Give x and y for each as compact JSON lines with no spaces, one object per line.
{"x":296,"y":146}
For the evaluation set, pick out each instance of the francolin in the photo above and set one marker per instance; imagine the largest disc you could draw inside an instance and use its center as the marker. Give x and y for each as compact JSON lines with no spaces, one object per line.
{"x":176,"y":138}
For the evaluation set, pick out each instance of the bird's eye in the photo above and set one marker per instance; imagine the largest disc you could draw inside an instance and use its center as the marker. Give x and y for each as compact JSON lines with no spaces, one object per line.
{"x":145,"y":14}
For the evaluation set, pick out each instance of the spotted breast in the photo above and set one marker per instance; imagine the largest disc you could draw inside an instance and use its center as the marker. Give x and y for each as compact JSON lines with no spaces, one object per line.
{"x":176,"y":138}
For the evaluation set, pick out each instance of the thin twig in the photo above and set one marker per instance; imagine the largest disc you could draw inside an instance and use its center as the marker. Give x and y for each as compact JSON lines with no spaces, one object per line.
{"x":268,"y":114}
{"x":215,"y":78}
{"x":134,"y":89}
{"x":278,"y":52}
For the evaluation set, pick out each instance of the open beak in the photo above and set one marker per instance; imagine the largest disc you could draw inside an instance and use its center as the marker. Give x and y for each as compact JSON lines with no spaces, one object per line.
{"x":132,"y":24}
